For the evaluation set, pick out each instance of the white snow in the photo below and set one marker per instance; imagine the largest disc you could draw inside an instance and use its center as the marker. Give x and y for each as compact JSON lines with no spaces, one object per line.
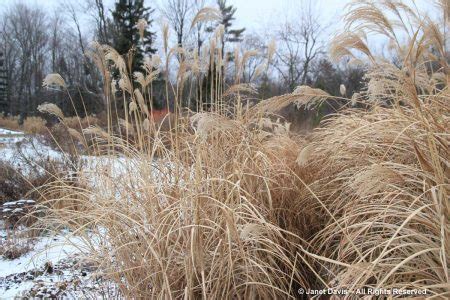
{"x":50,"y":249}
{"x":47,"y":249}
{"x":19,"y":150}
{"x":15,"y":290}
{"x":4,"y":131}
{"x":27,"y":154}
{"x":18,"y":276}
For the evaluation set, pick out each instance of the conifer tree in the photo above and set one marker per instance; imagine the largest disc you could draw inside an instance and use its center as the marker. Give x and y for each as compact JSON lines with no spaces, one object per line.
{"x":126,"y":15}
{"x":230,"y":34}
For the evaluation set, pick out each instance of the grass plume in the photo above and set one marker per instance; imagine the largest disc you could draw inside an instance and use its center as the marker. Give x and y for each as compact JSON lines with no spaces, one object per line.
{"x":228,"y":203}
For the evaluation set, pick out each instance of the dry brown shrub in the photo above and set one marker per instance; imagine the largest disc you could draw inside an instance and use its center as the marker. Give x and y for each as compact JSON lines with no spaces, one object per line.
{"x":34,"y":125}
{"x":12,"y":247}
{"x":12,"y":184}
{"x":11,"y":123}
{"x":81,"y":123}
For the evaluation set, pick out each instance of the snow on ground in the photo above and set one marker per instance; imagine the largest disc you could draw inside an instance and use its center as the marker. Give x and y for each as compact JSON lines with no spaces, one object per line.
{"x":46,"y":249}
{"x":4,"y":131}
{"x":20,"y":274}
{"x":54,"y":267}
{"x":27,"y":276}
{"x":21,"y":150}
{"x":8,"y":137}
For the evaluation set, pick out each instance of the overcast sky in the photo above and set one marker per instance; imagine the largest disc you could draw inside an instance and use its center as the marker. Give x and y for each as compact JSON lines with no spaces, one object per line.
{"x":254,"y":15}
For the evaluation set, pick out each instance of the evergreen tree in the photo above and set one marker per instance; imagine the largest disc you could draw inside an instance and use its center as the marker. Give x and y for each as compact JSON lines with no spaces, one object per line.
{"x":126,"y":15}
{"x":327,"y":77}
{"x":230,"y":34}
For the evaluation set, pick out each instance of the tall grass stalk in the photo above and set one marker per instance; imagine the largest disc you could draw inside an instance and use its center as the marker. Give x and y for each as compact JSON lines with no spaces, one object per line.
{"x":228,"y":203}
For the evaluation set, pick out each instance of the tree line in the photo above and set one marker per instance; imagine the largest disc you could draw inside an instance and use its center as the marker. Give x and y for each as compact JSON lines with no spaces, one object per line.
{"x":36,"y":42}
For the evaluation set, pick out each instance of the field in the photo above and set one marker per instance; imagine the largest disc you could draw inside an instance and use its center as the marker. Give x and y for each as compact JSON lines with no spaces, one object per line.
{"x":229,"y":201}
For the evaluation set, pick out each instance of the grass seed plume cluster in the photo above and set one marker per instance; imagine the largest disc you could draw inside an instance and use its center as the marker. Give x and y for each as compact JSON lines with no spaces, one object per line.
{"x":228,"y":202}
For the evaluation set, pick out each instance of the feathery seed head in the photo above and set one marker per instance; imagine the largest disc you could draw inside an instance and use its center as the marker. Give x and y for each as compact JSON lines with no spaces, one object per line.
{"x":141,"y":25}
{"x":141,"y":101}
{"x":117,"y":59}
{"x":342,"y":90}
{"x":207,"y":14}
{"x":146,"y":124}
{"x":219,"y":32}
{"x":139,"y":77}
{"x":156,"y":61}
{"x":51,"y":109}
{"x":260,"y":70}
{"x":125,"y":84}
{"x":53,"y":80}
{"x":271,"y":48}
{"x":304,"y":156}
{"x":165,"y":30}
{"x":355,"y":98}
{"x":132,"y":106}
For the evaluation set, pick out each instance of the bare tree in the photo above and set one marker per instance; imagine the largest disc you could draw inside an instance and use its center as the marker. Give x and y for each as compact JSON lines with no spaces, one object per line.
{"x":102,"y":22}
{"x":197,"y":6}
{"x":256,"y":61}
{"x":97,"y":11}
{"x":299,"y":43}
{"x":288,"y":55}
{"x":55,"y":37}
{"x":311,"y":31}
{"x":69,"y":8}
{"x":178,"y":12}
{"x":36,"y":43}
{"x":9,"y":48}
{"x":25,"y":28}
{"x":90,"y":79}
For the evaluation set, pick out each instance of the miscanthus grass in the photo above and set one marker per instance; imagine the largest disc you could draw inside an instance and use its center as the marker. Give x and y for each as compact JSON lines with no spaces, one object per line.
{"x":226,"y":202}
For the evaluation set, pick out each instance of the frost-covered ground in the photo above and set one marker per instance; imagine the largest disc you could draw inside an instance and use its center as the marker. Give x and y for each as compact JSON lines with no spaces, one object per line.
{"x":28,"y":275}
{"x":8,"y":132}
{"x":20,"y":150}
{"x":54,"y":267}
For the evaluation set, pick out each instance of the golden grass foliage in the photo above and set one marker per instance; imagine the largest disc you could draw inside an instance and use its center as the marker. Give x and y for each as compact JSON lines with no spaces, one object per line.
{"x":35,"y":125}
{"x":225,"y":206}
{"x":31,"y":125}
{"x":11,"y":123}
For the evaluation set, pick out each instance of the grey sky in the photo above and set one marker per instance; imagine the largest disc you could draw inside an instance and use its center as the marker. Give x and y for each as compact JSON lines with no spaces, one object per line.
{"x":252,"y":14}
{"x":255,"y":15}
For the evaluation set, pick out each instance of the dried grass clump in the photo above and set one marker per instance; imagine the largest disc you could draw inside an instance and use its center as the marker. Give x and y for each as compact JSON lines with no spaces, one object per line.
{"x":81,"y":123}
{"x":13,"y":248}
{"x":387,"y":191}
{"x":12,"y":184}
{"x":228,"y":203}
{"x":54,"y":81}
{"x":233,"y":212}
{"x":11,"y":123}
{"x":199,"y":212}
{"x":35,"y":125}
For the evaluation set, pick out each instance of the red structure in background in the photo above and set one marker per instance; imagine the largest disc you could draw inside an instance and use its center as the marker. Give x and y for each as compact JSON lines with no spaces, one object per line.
{"x":159,"y":114}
